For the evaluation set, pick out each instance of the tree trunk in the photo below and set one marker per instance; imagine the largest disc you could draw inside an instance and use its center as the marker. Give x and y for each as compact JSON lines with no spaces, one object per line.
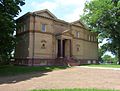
{"x":119,"y":55}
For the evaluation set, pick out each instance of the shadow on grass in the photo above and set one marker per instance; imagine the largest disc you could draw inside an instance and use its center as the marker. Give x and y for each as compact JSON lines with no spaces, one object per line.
{"x":14,"y":74}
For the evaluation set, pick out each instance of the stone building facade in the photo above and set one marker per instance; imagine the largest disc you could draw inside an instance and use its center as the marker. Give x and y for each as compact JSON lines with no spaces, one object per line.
{"x":43,"y":39}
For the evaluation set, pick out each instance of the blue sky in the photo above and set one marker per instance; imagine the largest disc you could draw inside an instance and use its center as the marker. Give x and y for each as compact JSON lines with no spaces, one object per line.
{"x":68,"y":10}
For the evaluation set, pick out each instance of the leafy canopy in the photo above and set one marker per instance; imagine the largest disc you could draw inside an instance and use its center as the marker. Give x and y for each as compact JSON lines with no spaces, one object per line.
{"x":8,"y":10}
{"x":103,"y":16}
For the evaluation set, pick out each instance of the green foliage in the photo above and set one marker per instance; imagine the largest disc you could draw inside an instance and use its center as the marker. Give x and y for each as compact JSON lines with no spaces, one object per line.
{"x":107,"y":58}
{"x":8,"y":10}
{"x":75,"y":89}
{"x":94,"y":10}
{"x":115,"y":2}
{"x":105,"y":65}
{"x":101,"y":51}
{"x":103,"y":16}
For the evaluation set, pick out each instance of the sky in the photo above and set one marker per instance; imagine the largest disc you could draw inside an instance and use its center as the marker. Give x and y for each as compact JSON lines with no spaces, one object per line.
{"x":68,"y":10}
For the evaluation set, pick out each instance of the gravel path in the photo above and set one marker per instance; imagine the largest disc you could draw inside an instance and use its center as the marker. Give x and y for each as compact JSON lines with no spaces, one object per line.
{"x":75,"y":77}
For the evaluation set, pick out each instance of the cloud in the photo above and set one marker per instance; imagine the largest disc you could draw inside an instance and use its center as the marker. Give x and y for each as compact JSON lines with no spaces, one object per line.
{"x":45,"y":5}
{"x":73,"y":16}
{"x":77,"y":11}
{"x":70,"y":2}
{"x":74,"y":8}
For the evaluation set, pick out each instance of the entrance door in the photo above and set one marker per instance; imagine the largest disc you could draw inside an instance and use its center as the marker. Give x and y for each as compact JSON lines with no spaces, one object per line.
{"x":63,"y":48}
{"x":59,"y":48}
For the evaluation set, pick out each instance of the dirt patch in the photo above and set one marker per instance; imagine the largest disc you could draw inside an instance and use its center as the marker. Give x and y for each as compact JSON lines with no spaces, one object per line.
{"x":75,"y":77}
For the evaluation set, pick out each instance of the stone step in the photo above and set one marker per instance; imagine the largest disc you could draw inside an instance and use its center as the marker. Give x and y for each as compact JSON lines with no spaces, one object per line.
{"x":66,"y":62}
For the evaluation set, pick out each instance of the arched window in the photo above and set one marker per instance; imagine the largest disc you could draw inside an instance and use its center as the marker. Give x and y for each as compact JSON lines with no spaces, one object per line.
{"x":43,"y":44}
{"x":78,"y":47}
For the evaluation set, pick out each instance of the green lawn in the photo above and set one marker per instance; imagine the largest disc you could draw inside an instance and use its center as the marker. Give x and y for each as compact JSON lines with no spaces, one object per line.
{"x":105,"y":65}
{"x":16,"y":70}
{"x":75,"y":90}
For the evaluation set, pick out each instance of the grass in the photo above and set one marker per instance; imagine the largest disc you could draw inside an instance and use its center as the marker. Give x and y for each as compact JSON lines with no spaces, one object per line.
{"x":105,"y":65}
{"x":75,"y":90}
{"x":16,"y":70}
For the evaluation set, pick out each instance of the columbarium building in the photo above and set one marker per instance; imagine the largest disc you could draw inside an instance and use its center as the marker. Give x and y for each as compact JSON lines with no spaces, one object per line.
{"x":43,"y":39}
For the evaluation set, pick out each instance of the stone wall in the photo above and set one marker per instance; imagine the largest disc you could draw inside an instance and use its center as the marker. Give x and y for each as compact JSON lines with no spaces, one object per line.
{"x":22,"y":47}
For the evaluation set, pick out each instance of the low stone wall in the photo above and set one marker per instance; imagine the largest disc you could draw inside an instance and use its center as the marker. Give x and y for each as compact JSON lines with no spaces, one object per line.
{"x":35,"y":62}
{"x":50,"y":62}
{"x":88,"y":61}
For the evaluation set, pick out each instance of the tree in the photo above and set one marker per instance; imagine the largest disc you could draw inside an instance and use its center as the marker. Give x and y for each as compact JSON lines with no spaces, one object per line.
{"x":9,"y":9}
{"x":103,"y":16}
{"x":115,"y":60}
{"x":115,"y":2}
{"x":107,"y":58}
{"x":101,"y":51}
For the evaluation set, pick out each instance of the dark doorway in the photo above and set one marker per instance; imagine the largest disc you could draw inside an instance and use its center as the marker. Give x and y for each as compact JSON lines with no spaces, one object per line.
{"x":59,"y":48}
{"x":64,"y":48}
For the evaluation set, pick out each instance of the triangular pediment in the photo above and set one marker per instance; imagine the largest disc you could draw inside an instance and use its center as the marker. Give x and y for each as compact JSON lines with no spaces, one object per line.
{"x":45,"y":13}
{"x":79,"y":23}
{"x":67,"y":33}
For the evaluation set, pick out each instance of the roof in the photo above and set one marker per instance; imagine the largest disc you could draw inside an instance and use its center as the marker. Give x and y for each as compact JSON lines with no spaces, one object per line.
{"x":81,"y":24}
{"x":45,"y":10}
{"x":41,"y":13}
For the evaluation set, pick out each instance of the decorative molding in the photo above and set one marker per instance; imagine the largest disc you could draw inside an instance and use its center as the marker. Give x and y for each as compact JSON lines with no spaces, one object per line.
{"x":43,"y":41}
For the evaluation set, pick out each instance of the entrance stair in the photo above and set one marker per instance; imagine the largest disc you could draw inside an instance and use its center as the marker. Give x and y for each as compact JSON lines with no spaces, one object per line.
{"x":71,"y":61}
{"x":67,"y":61}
